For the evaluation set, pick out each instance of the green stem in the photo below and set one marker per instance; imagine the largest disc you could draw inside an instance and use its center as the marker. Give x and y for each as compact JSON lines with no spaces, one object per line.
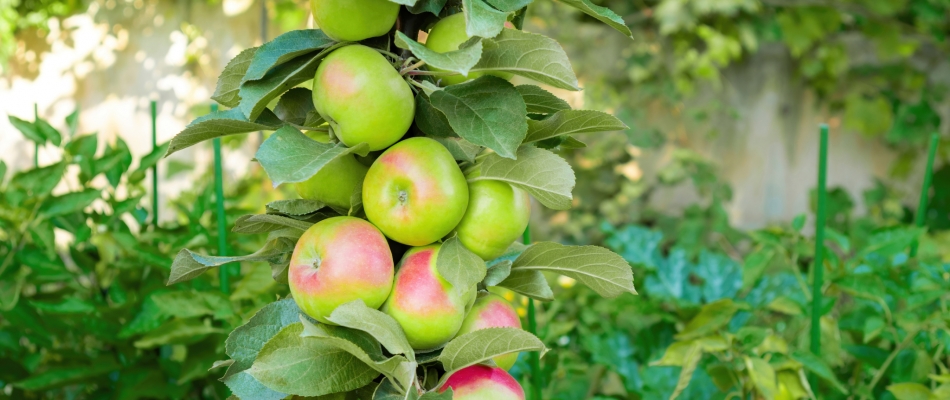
{"x":925,"y":189}
{"x":890,"y":358}
{"x":411,"y":68}
{"x":36,"y":149}
{"x":819,"y":266}
{"x":224,"y":271}
{"x":534,"y":358}
{"x":154,"y":108}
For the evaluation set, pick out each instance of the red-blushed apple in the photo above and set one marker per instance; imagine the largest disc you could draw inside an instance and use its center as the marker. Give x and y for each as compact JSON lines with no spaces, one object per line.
{"x":354,"y":20}
{"x":492,"y":311}
{"x":447,"y":35}
{"x":415,"y":192}
{"x":496,"y":216}
{"x":363,"y":97}
{"x":336,"y":182}
{"x":481,"y":382}
{"x":426,"y":306}
{"x":339,"y":260}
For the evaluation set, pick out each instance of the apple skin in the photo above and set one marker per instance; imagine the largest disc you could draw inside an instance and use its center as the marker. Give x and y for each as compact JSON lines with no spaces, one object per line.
{"x":492,"y":311}
{"x":336,"y":182}
{"x":352,"y":261}
{"x":496,"y":216}
{"x":363,"y":98}
{"x":447,"y":35}
{"x":354,"y":20}
{"x":415,"y":192}
{"x":478,"y":382}
{"x":424,"y":304}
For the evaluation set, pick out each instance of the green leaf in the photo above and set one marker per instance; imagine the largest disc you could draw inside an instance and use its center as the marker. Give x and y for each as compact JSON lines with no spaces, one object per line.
{"x":487,"y":111}
{"x":61,"y":376}
{"x":39,"y":181}
{"x":710,"y":318}
{"x":364,"y":347}
{"x":261,"y":223}
{"x":308,"y":366}
{"x":255,"y":95}
{"x":189,"y":264}
{"x":484,"y":344}
{"x":284,"y":48}
{"x":192,"y":303}
{"x":541,"y":173}
{"x":461,"y":60}
{"x":483,"y":20}
{"x":755,"y":263}
{"x":69,"y":203}
{"x":244,"y":386}
{"x":461,"y":149}
{"x":605,"y":272}
{"x":602,"y":14}
{"x":530,"y":55}
{"x":433,"y":395}
{"x":46,"y":130}
{"x":529,"y":283}
{"x":72,"y":122}
{"x":387,"y":390}
{"x":10,"y":288}
{"x":571,"y":122}
{"x":3,"y":171}
{"x":246,"y":341}
{"x":69,"y":305}
{"x":430,"y":120}
{"x":429,"y":6}
{"x":382,"y":327}
{"x":459,"y":266}
{"x":509,"y":5}
{"x":176,"y":331}
{"x":290,"y":156}
{"x":691,"y":361}
{"x":229,"y":82}
{"x":540,"y":101}
{"x":497,"y":273}
{"x":120,"y":160}
{"x":151,"y":158}
{"x":763,"y":376}
{"x":221,"y":123}
{"x":294,"y":206}
{"x":911,"y":391}
{"x":818,"y":366}
{"x":28,"y":129}
{"x":296,"y":107}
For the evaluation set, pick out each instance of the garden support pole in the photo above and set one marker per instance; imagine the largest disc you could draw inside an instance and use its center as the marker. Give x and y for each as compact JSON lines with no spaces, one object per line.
{"x":36,"y":149}
{"x":154,"y":113}
{"x":534,"y":359}
{"x":819,"y":267}
{"x":224,"y":271}
{"x":925,"y":190}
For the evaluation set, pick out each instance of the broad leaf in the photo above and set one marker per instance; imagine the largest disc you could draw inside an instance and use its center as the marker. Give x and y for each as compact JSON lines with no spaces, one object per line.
{"x":246,"y":341}
{"x":387,"y":390}
{"x":244,"y":386}
{"x":570,"y":122}
{"x":540,"y":101}
{"x":528,"y":283}
{"x":430,"y":6}
{"x":911,"y":391}
{"x":484,"y":344}
{"x":487,"y":111}
{"x":221,"y":123}
{"x":509,"y":5}
{"x":691,"y":361}
{"x":262,"y":223}
{"x":296,"y":107}
{"x":483,"y":20}
{"x":176,"y":331}
{"x":189,"y":264}
{"x":229,"y":82}
{"x":284,"y":48}
{"x":308,"y":366}
{"x":192,"y":303}
{"x":530,"y":55}
{"x":290,"y":156}
{"x":69,"y":203}
{"x":603,"y":14}
{"x":459,"y":266}
{"x":28,"y":129}
{"x":818,"y":366}
{"x":710,"y":318}
{"x":47,"y":131}
{"x":541,"y":173}
{"x":605,"y":272}
{"x":255,"y":95}
{"x":39,"y":181}
{"x":461,"y":149}
{"x":60,"y":376}
{"x":461,"y":60}
{"x":763,"y":376}
{"x":497,"y":273}
{"x":294,"y":206}
{"x":430,"y":120}
{"x":384,"y":328}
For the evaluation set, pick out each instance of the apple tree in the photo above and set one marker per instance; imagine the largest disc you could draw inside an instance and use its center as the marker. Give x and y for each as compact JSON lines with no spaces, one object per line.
{"x":416,"y":159}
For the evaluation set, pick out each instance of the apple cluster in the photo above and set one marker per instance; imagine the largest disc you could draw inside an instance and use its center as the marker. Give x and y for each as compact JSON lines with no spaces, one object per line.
{"x":414,"y":195}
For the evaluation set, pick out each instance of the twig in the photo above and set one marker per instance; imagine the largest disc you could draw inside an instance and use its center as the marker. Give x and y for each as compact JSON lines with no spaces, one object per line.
{"x":880,"y":372}
{"x":411,"y":68}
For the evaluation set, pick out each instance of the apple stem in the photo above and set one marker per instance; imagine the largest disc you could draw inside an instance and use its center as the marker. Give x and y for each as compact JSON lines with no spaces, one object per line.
{"x":411,"y":68}
{"x":394,"y":56}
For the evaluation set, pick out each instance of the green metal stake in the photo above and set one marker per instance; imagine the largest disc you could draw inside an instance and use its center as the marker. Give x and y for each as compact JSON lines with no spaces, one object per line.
{"x":224,"y":271}
{"x":154,"y":108}
{"x":819,"y":242}
{"x":534,"y":358}
{"x":36,"y":149}
{"x":925,"y":190}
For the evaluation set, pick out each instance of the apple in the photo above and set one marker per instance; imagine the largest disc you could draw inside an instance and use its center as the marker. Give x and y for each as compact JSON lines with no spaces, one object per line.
{"x":478,"y":382}
{"x":363,"y":98}
{"x":415,"y":192}
{"x":339,"y":260}
{"x":447,"y":35}
{"x":354,"y":20}
{"x":336,"y":182}
{"x":492,"y":311}
{"x":426,"y":306}
{"x":496,"y":216}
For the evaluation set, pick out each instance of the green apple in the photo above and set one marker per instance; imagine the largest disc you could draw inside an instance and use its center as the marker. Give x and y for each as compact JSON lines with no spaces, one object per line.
{"x":492,"y":311}
{"x":336,"y":182}
{"x":496,"y":216}
{"x":481,"y":382}
{"x":415,"y":192}
{"x":447,"y":35}
{"x":363,"y":97}
{"x":354,"y":20}
{"x":426,"y":306}
{"x":339,"y":260}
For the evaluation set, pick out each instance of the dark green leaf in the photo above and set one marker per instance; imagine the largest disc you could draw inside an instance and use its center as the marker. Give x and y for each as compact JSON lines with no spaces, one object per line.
{"x":461,"y":149}
{"x":262,"y":223}
{"x":189,"y":264}
{"x":176,"y":331}
{"x":381,"y":326}
{"x":571,"y":122}
{"x":244,"y":386}
{"x":296,"y":106}
{"x":497,"y":273}
{"x":46,"y":130}
{"x":69,"y":305}
{"x":246,"y":341}
{"x":429,"y":6}
{"x":221,"y":123}
{"x":528,"y":283}
{"x":482,"y":20}
{"x":509,"y":5}
{"x":69,"y":203}
{"x":28,"y":129}
{"x":603,"y":14}
{"x":540,"y":101}
{"x":192,"y":303}
{"x":284,"y":48}
{"x":61,"y":376}
{"x":294,"y":207}
{"x":541,"y":173}
{"x":459,"y":266}
{"x":229,"y":82}
{"x":255,"y":95}
{"x":483,"y":344}
{"x":530,"y":55}
{"x":605,"y":272}
{"x":430,"y":120}
{"x":461,"y":60}
{"x":83,"y":146}
{"x":39,"y":181}
{"x":818,"y":366}
{"x":290,"y":156}
{"x":487,"y":111}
